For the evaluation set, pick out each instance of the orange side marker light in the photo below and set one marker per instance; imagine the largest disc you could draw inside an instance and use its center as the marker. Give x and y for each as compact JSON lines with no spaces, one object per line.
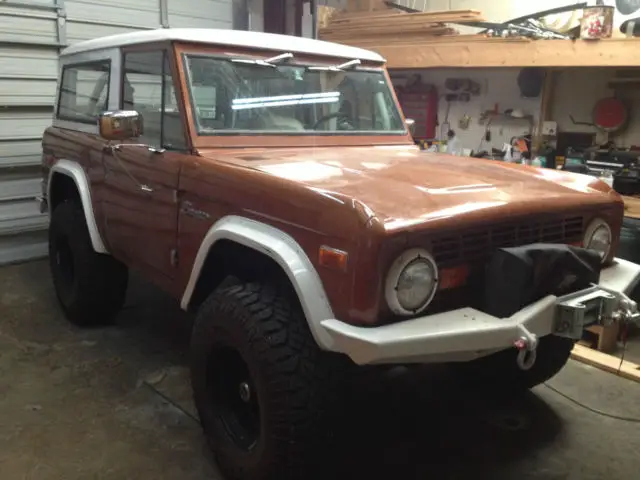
{"x":333,"y":258}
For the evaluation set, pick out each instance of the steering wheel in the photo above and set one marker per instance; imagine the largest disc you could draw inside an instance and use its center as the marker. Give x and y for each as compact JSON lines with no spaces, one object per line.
{"x":329,"y":116}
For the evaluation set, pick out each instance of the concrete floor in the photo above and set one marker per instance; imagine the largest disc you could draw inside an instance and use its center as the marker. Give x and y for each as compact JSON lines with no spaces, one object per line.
{"x":631,"y":350}
{"x":81,"y":404}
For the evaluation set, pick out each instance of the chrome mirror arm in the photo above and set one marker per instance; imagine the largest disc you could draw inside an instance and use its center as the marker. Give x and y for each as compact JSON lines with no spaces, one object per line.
{"x":118,"y":147}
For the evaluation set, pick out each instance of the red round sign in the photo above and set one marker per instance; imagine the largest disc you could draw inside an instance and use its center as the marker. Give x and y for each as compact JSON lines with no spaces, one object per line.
{"x":609,"y":114}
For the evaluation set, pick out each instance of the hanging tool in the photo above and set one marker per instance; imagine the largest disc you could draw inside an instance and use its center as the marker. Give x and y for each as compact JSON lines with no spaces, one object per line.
{"x":445,"y":126}
{"x":464,"y":121}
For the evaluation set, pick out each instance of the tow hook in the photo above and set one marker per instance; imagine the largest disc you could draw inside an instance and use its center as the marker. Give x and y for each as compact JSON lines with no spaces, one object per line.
{"x":526,"y":345}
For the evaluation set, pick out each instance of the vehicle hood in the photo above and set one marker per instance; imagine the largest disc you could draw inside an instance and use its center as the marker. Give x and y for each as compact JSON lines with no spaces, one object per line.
{"x":404,"y":185}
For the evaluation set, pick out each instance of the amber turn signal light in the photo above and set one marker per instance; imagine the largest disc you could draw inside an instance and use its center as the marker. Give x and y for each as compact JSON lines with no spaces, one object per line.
{"x":453,"y":277}
{"x":333,"y":258}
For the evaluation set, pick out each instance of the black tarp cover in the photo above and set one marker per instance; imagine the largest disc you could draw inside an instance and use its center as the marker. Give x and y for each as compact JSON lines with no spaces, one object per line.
{"x":516,"y":277}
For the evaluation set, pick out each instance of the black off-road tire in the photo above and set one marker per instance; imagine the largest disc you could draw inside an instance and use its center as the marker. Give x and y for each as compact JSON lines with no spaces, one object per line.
{"x":91,"y":287}
{"x":296,"y":386}
{"x":500,"y":370}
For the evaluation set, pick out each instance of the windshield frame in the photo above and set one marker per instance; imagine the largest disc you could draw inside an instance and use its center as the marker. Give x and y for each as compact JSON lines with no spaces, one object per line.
{"x":250,"y":139}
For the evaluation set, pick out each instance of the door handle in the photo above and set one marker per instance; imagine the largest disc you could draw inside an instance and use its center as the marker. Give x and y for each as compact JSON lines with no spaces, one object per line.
{"x":146,"y":188}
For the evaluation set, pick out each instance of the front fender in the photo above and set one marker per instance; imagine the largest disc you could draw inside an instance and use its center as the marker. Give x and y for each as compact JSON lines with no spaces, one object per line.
{"x":285,"y":251}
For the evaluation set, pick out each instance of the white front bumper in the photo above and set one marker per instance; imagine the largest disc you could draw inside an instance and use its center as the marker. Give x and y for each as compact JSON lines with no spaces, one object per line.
{"x":465,"y":334}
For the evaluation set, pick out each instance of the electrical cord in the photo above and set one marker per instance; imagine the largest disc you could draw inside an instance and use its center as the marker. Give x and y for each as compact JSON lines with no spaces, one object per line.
{"x":553,"y":389}
{"x":595,"y":410}
{"x":591,"y":409}
{"x":625,"y":336}
{"x":171,"y":402}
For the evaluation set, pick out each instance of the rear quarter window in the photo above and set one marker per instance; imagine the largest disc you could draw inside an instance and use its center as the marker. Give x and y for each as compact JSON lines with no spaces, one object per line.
{"x":84,"y":91}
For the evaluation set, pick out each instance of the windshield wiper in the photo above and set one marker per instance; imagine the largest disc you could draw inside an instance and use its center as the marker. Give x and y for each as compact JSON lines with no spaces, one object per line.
{"x":269,"y":62}
{"x":338,"y":68}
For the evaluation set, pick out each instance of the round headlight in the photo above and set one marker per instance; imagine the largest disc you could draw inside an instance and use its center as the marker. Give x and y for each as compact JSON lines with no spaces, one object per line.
{"x":598,"y":238}
{"x":412,"y":282}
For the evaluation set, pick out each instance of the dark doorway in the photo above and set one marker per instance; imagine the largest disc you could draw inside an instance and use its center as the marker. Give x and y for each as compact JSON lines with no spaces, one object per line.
{"x":283,"y":16}
{"x":275,"y":19}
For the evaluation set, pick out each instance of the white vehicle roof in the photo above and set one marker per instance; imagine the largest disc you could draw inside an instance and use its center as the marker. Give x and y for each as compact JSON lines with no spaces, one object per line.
{"x":233,"y":38}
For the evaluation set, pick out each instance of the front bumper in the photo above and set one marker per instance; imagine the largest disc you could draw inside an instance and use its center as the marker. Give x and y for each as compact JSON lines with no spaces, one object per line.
{"x":466,"y":334}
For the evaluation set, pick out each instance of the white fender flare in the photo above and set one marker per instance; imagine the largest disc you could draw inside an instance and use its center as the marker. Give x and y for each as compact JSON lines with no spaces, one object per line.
{"x":286,"y":252}
{"x":74,"y":171}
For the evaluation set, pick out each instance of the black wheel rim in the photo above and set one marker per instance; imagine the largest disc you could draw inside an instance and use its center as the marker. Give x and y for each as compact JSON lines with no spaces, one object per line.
{"x":63,"y":261}
{"x":234,"y":397}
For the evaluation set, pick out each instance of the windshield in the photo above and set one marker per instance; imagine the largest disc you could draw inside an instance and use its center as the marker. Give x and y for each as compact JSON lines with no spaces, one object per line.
{"x":235,"y":97}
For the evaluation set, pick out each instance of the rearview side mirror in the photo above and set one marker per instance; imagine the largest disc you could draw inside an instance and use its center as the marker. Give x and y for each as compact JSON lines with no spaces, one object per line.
{"x":411,"y":125}
{"x":120,"y":125}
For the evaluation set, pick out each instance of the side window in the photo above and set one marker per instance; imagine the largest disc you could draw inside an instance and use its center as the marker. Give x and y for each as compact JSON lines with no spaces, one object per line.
{"x":148,"y":88}
{"x":84,"y":91}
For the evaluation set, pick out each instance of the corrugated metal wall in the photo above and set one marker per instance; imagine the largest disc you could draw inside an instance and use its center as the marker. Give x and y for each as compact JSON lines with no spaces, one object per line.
{"x":31,"y":35}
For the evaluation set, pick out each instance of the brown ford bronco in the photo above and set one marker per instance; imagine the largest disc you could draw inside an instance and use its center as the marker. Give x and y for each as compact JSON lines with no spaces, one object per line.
{"x":271,"y":185}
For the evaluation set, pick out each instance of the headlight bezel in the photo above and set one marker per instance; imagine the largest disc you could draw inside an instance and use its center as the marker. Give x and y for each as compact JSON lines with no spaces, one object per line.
{"x":596,"y":225}
{"x":398,"y":267}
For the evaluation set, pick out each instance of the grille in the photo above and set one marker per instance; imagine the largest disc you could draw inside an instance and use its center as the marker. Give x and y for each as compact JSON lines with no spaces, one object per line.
{"x":475,"y":246}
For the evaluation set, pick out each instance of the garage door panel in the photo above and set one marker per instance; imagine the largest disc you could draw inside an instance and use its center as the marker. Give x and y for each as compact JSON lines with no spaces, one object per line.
{"x":20,"y":125}
{"x":27,"y":92}
{"x":77,"y":32}
{"x":28,"y":74}
{"x":185,"y":22}
{"x":28,"y":62}
{"x":19,"y":189}
{"x":20,"y":217}
{"x":37,"y":4}
{"x":188,"y":13}
{"x":20,"y":153}
{"x":107,"y":14}
{"x":38,"y":27}
{"x":88,"y":10}
{"x":219,"y":9}
{"x":21,"y":248}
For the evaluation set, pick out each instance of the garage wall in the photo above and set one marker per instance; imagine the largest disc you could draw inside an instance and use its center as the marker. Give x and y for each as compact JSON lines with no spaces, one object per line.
{"x":498,"y":86}
{"x":577,"y":90}
{"x":575,"y":93}
{"x":31,"y":34}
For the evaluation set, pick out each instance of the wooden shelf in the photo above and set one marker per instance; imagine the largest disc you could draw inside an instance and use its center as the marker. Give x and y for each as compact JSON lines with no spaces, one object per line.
{"x":474,"y":51}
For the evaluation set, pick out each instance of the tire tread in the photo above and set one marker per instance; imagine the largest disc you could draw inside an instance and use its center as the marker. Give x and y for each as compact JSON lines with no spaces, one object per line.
{"x":302,"y":381}
{"x":102,"y":280}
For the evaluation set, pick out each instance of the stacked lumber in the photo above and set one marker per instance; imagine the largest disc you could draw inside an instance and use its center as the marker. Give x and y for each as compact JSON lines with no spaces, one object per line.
{"x":365,"y":5}
{"x":381,"y":27}
{"x":606,"y":362}
{"x":325,"y":15}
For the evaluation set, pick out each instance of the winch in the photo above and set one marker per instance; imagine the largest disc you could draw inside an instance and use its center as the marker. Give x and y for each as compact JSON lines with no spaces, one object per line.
{"x":574,"y":312}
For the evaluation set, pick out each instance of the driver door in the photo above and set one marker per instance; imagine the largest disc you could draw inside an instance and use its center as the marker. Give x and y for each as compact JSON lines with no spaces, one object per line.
{"x":141,"y":177}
